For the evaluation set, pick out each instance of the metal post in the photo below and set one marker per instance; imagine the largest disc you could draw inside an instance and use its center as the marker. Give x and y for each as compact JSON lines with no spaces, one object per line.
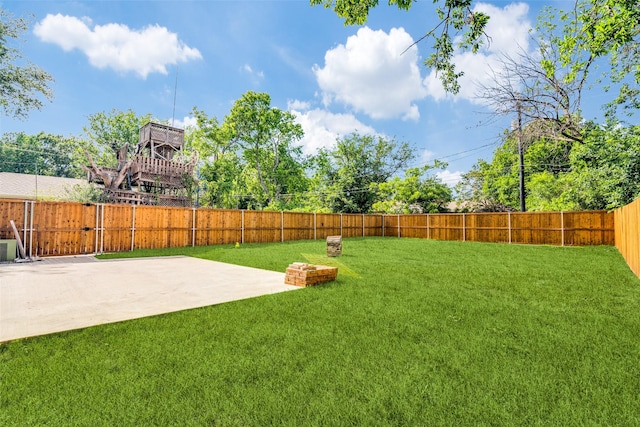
{"x":24,"y":223}
{"x":133,"y":227}
{"x":193,"y":228}
{"x":31,"y":231}
{"x":562,"y":225}
{"x":242,"y":229}
{"x":95,"y":248}
{"x":464,"y":227}
{"x":102,"y":228}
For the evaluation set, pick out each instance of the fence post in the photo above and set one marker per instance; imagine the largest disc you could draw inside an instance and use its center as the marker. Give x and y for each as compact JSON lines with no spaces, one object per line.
{"x":509,"y":224}
{"x":464,"y":227}
{"x":315,"y":226}
{"x":102,"y":228}
{"x":24,"y":226}
{"x":193,"y":228}
{"x":32,"y":207}
{"x":281,"y":226}
{"x":562,"y":225}
{"x":428,"y":227}
{"x":133,"y":227}
{"x":362,"y":225}
{"x":341,"y":224}
{"x":398,"y":225}
{"x":382,"y":225}
{"x":242,"y":228}
{"x":95,"y":248}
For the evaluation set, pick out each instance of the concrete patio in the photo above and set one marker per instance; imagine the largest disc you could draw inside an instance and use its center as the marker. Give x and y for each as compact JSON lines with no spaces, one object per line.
{"x":64,"y":293}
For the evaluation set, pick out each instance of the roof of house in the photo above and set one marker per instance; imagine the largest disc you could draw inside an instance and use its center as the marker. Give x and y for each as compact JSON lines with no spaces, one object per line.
{"x":35,"y":187}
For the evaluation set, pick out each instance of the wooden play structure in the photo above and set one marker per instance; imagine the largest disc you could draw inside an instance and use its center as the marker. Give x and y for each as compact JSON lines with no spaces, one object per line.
{"x":154,"y":175}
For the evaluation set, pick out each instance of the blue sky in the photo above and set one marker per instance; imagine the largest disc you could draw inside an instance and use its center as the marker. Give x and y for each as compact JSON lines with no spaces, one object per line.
{"x":124,"y":55}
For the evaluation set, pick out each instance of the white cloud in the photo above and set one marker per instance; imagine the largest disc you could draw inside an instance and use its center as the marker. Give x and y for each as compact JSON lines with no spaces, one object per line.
{"x":370,"y":74}
{"x":117,"y":46}
{"x":322,"y":128}
{"x":187,"y":121}
{"x":298,"y":105}
{"x":255,"y":75}
{"x":426,"y":156}
{"x":450,"y":178}
{"x":508,"y":29}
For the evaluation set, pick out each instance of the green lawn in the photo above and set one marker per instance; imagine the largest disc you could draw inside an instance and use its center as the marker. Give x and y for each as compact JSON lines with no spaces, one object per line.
{"x":413,"y":332}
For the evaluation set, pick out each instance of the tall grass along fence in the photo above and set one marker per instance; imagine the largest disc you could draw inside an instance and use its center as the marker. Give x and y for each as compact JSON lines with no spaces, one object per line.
{"x":58,"y":228}
{"x":627,"y":236}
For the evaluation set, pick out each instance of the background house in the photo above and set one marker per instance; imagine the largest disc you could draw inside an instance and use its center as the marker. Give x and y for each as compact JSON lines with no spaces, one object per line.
{"x":36,"y":187}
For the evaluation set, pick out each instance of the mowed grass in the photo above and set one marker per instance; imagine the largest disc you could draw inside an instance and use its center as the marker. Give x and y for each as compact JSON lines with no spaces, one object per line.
{"x":414,"y":332}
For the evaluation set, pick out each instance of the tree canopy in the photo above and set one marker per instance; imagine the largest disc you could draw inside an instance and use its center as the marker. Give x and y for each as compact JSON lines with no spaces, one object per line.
{"x":42,"y":154}
{"x":600,"y":172}
{"x":21,"y":86}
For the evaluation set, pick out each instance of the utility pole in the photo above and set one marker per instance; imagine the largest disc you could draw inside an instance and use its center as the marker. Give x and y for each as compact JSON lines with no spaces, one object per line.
{"x":523,"y":207}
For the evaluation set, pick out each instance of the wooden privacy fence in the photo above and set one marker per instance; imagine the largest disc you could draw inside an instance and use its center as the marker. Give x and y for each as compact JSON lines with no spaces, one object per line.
{"x":627,"y":219}
{"x":585,"y":228}
{"x":59,"y":228}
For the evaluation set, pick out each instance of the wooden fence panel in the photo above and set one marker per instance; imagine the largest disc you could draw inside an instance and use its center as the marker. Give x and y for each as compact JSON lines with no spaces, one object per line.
{"x":627,"y":234}
{"x":589,"y":228}
{"x":262,"y":227}
{"x":487,"y":227}
{"x":115,"y":224}
{"x":446,"y":226}
{"x":12,"y":210}
{"x":62,"y":229}
{"x":327,"y":225}
{"x":373,"y":225}
{"x":536,"y":228}
{"x":352,"y":225}
{"x":414,"y":226}
{"x":391,"y":226}
{"x":298,"y":226}
{"x":218,"y":227}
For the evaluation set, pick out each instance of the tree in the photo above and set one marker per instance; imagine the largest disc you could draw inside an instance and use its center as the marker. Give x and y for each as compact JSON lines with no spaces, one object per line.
{"x":267,"y":137}
{"x":596,"y":29}
{"x":344,"y":175}
{"x":605,"y":169}
{"x":251,"y":159}
{"x":458,"y":23}
{"x":42,"y":154}
{"x":111,"y":131}
{"x":600,"y":172}
{"x":417,"y":192}
{"x":545,"y":87}
{"x":20,"y":85}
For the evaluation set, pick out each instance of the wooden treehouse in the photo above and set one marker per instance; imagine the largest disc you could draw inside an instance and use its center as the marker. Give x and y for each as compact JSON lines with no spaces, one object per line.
{"x":154,"y":175}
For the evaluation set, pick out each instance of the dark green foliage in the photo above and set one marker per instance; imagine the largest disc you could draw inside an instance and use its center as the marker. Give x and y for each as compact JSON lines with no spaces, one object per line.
{"x":346,"y":176}
{"x":600,"y":172}
{"x":42,"y":154}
